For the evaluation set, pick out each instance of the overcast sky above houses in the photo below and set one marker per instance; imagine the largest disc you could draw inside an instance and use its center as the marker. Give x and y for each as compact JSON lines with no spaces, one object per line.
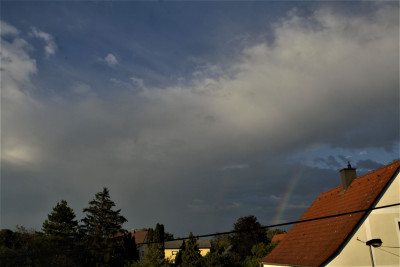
{"x":192,"y":113}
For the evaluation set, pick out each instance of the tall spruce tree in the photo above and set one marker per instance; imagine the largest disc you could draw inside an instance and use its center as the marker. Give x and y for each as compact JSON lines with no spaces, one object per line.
{"x":101,"y":220}
{"x":61,"y":221}
{"x":101,"y":225}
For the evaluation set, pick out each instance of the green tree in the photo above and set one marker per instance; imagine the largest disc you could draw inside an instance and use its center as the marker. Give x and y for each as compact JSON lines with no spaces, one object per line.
{"x":190,"y":253}
{"x":61,"y":221}
{"x":155,"y":251}
{"x":28,"y":248}
{"x":168,"y":236}
{"x":218,"y":256}
{"x":101,"y":220}
{"x":130,"y":248}
{"x":258,"y":251}
{"x":247,"y":234}
{"x":178,"y":257}
{"x":101,"y":225}
{"x":61,"y":230}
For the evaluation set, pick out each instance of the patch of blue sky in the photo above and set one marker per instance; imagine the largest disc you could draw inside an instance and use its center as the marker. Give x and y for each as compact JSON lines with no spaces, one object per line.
{"x":328,"y":157}
{"x":147,"y":37}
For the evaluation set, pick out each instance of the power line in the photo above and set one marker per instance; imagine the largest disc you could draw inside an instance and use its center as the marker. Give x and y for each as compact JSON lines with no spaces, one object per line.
{"x":226,"y":233}
{"x":281,"y":224}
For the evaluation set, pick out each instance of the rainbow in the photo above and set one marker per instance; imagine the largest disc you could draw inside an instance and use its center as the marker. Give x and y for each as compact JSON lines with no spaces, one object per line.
{"x":288,"y":193}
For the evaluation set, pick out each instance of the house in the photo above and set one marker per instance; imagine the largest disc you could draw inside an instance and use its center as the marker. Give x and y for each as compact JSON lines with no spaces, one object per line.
{"x":345,"y":240}
{"x":140,"y":238}
{"x":172,"y":248}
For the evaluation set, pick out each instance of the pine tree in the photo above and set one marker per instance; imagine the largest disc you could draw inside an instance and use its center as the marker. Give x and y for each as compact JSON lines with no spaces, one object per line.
{"x":61,"y":235}
{"x":101,"y":220}
{"x":61,"y":221}
{"x":191,"y":256}
{"x":101,"y":225}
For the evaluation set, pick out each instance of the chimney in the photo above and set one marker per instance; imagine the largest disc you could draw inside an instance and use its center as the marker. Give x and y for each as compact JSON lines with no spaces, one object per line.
{"x":348,"y":174}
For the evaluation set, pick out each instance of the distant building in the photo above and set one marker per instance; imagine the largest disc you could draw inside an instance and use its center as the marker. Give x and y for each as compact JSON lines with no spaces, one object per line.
{"x":172,"y":248}
{"x":140,"y":238}
{"x":341,"y":241}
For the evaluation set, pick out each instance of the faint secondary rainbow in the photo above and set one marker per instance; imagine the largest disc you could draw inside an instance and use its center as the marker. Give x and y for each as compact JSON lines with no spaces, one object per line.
{"x":288,"y":193}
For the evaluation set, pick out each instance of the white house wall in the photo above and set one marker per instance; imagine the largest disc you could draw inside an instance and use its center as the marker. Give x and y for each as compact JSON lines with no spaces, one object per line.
{"x":383,"y":224}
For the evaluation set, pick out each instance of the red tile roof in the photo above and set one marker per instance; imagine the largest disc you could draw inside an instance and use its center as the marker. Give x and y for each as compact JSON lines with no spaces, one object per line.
{"x":278,"y":237}
{"x":313,"y":243}
{"x":140,"y":237}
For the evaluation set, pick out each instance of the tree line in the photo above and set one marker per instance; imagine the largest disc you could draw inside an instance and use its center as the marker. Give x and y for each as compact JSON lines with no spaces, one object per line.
{"x":100,"y":240}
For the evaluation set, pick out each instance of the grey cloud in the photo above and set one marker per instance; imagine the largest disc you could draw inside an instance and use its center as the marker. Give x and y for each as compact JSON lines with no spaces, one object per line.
{"x":50,"y":48}
{"x":158,"y":149}
{"x":368,"y":165}
{"x":330,"y":162}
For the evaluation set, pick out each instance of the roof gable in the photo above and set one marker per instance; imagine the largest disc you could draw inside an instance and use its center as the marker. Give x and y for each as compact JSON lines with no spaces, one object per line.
{"x":312,"y":243}
{"x":140,"y":237}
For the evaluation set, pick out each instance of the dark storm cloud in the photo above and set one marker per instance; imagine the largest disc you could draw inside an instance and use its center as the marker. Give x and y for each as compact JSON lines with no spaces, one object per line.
{"x":330,"y":161}
{"x":368,"y":165}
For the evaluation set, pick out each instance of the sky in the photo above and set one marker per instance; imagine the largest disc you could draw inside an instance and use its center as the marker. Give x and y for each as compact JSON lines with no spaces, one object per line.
{"x":192,"y":113}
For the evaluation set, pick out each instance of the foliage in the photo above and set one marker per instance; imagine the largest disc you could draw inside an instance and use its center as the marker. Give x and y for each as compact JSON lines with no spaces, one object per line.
{"x":168,"y":236}
{"x":258,"y":251}
{"x":27,"y":247}
{"x":101,"y":226}
{"x":189,"y":255}
{"x":272,"y":232}
{"x":61,"y":221}
{"x":101,"y":220}
{"x":221,"y":243}
{"x":247,"y":234}
{"x":130,"y":250}
{"x":155,"y":251}
{"x":217,"y":258}
{"x":101,"y":241}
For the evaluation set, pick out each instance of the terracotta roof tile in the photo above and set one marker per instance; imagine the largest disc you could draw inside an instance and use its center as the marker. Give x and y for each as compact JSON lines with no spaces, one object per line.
{"x":140,"y":237}
{"x":312,"y":243}
{"x":278,"y":237}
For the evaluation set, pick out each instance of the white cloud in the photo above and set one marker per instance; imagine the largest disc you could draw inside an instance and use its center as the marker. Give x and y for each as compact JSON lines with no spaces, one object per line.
{"x":50,"y":48}
{"x":81,"y":88}
{"x":111,"y":60}
{"x":19,"y":155}
{"x":7,"y":29}
{"x":17,"y":69}
{"x":312,"y":85}
{"x":137,"y":82}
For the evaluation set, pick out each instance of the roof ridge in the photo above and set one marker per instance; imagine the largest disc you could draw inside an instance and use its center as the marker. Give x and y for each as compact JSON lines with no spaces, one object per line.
{"x":368,"y":173}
